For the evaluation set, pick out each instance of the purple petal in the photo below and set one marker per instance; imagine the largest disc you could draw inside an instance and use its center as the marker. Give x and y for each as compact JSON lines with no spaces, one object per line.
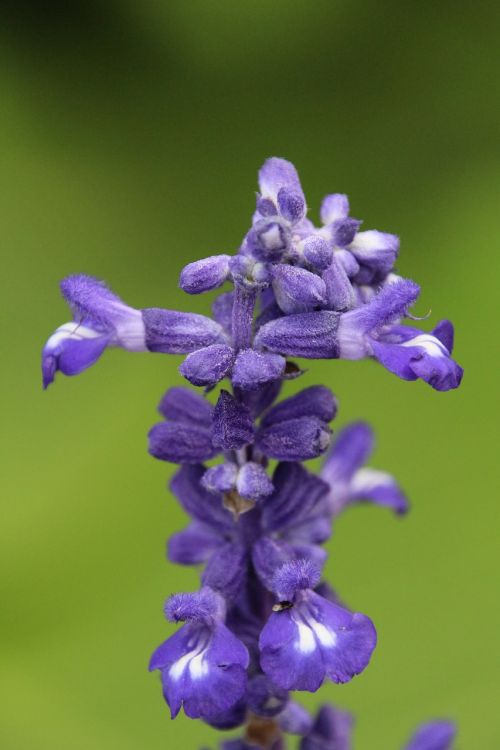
{"x":348,"y":262}
{"x":222,"y":310}
{"x":344,"y":231}
{"x":376,"y":250}
{"x":276,"y":174}
{"x":445,"y":333}
{"x":259,"y":401}
{"x":318,"y":252}
{"x":296,"y":494}
{"x":379,"y":487}
{"x":298,"y":290}
{"x":267,"y":556}
{"x":339,"y":291}
{"x":204,"y":275}
{"x":311,"y":335}
{"x":351,"y":449}
{"x":294,"y":719}
{"x":423,"y":356}
{"x":203,"y":669}
{"x":226,"y":570}
{"x":295,"y":439}
{"x":173,"y":332}
{"x":291,"y":204}
{"x":180,"y":443}
{"x":204,"y":606}
{"x":334,"y":206}
{"x":315,"y":401}
{"x":436,"y":735}
{"x":194,"y":545}
{"x":315,"y":639}
{"x":184,"y":405}
{"x":253,"y":482}
{"x":264,"y":698}
{"x":71,"y":349}
{"x":220,"y":478}
{"x":202,"y":505}
{"x":233,"y":425}
{"x":206,"y":367}
{"x":332,"y":729}
{"x":254,"y":369}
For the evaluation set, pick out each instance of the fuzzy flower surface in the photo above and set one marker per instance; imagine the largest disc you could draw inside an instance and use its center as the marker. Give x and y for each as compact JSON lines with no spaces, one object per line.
{"x":264,"y":624}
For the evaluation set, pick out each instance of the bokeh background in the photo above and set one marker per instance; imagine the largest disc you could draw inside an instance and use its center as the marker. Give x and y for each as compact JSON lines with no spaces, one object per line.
{"x":130,"y":138}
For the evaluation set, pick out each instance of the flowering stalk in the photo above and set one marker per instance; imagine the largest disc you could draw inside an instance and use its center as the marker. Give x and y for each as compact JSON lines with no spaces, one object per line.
{"x":263,"y":624}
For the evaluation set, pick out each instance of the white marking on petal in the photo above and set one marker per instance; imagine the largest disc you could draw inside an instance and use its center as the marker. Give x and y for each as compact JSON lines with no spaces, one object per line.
{"x":367,"y":479}
{"x":325,"y":636}
{"x":429,"y":343}
{"x":131,"y":331}
{"x":306,"y":642}
{"x":73,"y":331}
{"x":194,"y":661}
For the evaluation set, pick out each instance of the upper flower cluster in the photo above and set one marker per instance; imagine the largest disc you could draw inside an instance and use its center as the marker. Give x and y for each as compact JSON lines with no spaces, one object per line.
{"x":263,"y":624}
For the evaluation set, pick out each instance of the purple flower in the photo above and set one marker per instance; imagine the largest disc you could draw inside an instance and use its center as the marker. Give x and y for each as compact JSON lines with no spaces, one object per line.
{"x":101,"y":319}
{"x":203,"y":665}
{"x":308,"y":638}
{"x":350,"y":482}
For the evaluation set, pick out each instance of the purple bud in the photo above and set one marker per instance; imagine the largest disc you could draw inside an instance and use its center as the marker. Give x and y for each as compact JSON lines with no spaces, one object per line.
{"x":344,"y":231}
{"x":180,"y":443}
{"x":206,"y":367}
{"x":267,"y":240}
{"x":339,"y":291}
{"x":233,"y":425}
{"x":298,"y":290}
{"x":347,"y":261}
{"x":253,"y":482}
{"x":311,"y":335}
{"x":376,"y":250}
{"x":204,"y":275}
{"x":254,"y":369}
{"x":183,"y":405}
{"x":315,"y":401}
{"x":220,"y":478}
{"x":334,"y":207}
{"x":295,"y":439}
{"x":318,"y":252}
{"x":291,"y":204}
{"x":173,"y":332}
{"x":265,"y":206}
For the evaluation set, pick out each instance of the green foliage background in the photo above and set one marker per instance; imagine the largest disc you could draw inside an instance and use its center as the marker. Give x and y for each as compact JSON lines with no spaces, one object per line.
{"x":130,"y":138}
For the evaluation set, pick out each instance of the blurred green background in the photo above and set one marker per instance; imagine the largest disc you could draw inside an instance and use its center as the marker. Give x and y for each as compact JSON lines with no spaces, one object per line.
{"x":130,"y":138}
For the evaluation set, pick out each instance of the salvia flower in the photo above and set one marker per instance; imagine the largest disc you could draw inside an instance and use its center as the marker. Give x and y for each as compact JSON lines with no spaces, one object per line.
{"x":263,"y":624}
{"x":203,"y":665}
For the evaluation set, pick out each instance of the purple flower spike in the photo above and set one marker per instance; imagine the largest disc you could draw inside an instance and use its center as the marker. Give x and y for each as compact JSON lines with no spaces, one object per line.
{"x":298,"y":290}
{"x":254,"y":369}
{"x":205,"y":275}
{"x":207,"y":366}
{"x":436,"y":735}
{"x":233,"y":425}
{"x":101,"y":319}
{"x":332,"y":730}
{"x":203,"y":665}
{"x":308,"y":638}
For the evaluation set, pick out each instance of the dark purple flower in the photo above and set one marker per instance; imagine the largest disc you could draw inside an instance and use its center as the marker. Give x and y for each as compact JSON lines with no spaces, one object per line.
{"x":308,"y":638}
{"x":203,"y":665}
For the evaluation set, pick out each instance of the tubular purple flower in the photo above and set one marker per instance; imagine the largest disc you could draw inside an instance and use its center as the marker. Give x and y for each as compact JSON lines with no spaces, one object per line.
{"x":308,"y":638}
